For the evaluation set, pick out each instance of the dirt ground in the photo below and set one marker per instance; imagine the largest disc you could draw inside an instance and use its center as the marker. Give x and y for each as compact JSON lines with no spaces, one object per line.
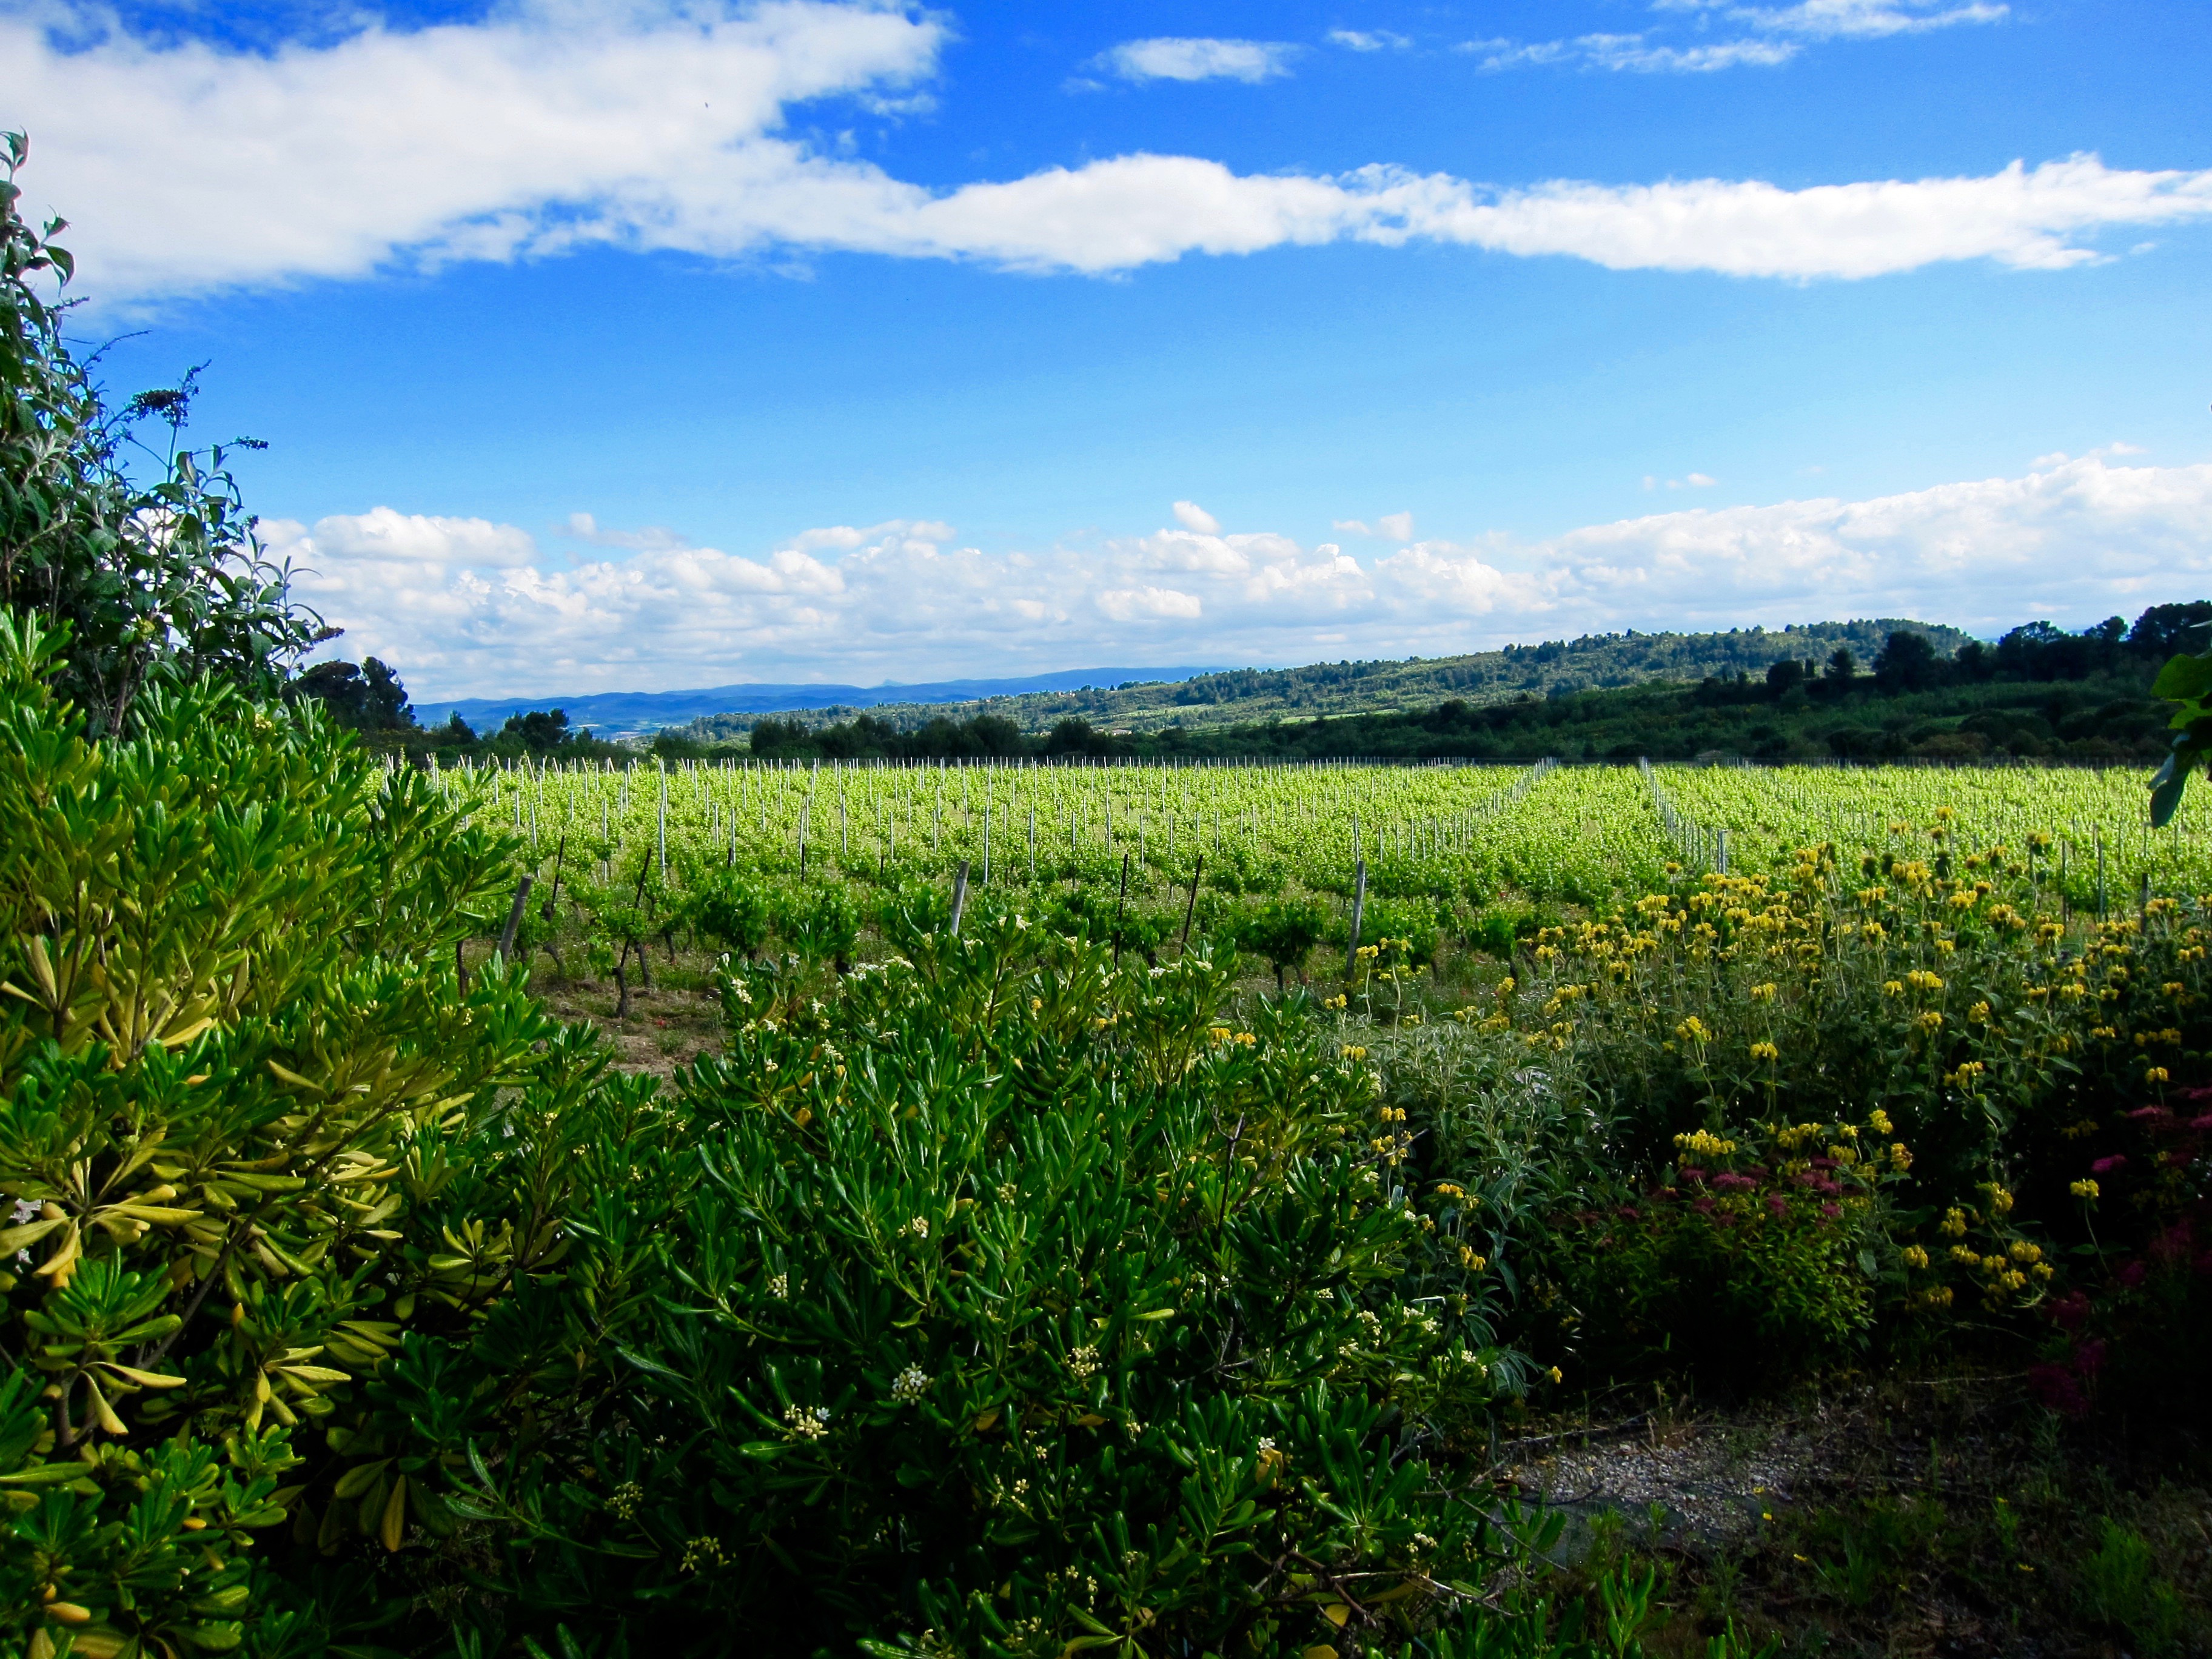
{"x":1946,"y":1514}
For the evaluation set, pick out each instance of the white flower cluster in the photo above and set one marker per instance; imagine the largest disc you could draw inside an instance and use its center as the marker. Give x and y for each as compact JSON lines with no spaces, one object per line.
{"x":910,"y":1384}
{"x":1083,"y":1362}
{"x":807,"y":1423}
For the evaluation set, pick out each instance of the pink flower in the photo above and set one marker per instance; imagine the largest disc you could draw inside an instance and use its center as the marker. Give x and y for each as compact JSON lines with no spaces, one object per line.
{"x":2169,"y":1247}
{"x":2133,"y":1274}
{"x":1702,"y":1206}
{"x":2148,"y":1114}
{"x":2069,"y":1311}
{"x":1830,"y":1211}
{"x":1734,"y":1182}
{"x":2106,"y":1165}
{"x":2054,"y":1385}
{"x":2204,"y":1122}
{"x":1777,"y":1205}
{"x":2089,"y":1359}
{"x":1692,"y":1176}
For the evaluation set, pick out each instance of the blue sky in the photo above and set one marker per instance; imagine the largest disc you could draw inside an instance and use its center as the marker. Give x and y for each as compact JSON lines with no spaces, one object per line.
{"x":637,"y":347}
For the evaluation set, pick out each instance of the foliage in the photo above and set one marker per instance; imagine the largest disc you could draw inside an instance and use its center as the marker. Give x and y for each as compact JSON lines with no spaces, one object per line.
{"x":2185,"y":681}
{"x":1024,"y":1304}
{"x":1284,"y":933}
{"x":367,"y":698}
{"x":275,"y":1182}
{"x":1086,"y":722}
{"x":137,"y":580}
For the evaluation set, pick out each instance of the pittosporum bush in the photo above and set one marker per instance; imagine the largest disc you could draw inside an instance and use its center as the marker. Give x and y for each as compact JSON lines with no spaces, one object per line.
{"x":1015,"y":1304}
{"x":285,"y":1202}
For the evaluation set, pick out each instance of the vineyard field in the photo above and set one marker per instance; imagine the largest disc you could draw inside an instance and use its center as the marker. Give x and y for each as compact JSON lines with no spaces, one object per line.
{"x":1465,"y":836}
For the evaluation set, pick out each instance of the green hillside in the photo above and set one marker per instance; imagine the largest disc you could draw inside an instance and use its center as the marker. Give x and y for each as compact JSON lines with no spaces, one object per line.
{"x":1555,"y":668}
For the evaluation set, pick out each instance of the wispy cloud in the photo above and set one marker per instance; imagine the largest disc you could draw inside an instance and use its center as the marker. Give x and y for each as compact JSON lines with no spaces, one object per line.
{"x":1178,"y":57}
{"x":1368,"y":40}
{"x":528,"y":136}
{"x":1832,"y":20}
{"x":653,"y":538}
{"x":465,"y":606}
{"x":1772,"y":35}
{"x":1391,"y":526}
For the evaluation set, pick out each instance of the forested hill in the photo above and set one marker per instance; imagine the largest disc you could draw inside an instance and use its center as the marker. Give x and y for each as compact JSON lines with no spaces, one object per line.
{"x":1557,"y":668}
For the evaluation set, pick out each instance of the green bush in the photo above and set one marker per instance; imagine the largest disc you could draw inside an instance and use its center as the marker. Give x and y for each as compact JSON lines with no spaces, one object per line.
{"x":1024,"y":1304}
{"x":261,"y":1152}
{"x":135,"y":579}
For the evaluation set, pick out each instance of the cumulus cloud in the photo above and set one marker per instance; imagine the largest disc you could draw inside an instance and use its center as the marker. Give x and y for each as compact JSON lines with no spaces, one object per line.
{"x":1191,"y":516}
{"x":662,"y":126}
{"x":1176,"y":57}
{"x":467,"y":607}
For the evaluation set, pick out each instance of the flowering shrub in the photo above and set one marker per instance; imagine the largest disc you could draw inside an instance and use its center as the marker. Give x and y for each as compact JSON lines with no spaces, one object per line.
{"x":1015,"y":1301}
{"x":1751,"y":1256}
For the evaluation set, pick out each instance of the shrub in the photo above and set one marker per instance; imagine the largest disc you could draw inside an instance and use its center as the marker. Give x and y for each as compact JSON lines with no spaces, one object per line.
{"x":290,"y":1207}
{"x":1026,"y":1303}
{"x":132,"y":580}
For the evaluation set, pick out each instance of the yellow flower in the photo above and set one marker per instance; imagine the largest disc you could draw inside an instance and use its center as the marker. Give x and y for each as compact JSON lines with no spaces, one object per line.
{"x":1554,"y":1375}
{"x":2156,"y":1074}
{"x":1693,"y":1030}
{"x":1891,"y":987}
{"x":1915,"y":1256}
{"x":1704,"y":1143}
{"x":1901,"y":1157}
{"x":1763,"y":992}
{"x":1877,"y":1121}
{"x":1768,"y":1051}
{"x":2083,"y":1189}
{"x":1979,"y":1013}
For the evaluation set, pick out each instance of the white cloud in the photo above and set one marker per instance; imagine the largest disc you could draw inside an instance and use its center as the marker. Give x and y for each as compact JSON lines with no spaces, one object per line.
{"x":1368,"y":40}
{"x":1391,"y":526}
{"x":1777,"y":34}
{"x":545,"y":129}
{"x":652,"y":538}
{"x":1699,"y":481}
{"x":463,"y":606}
{"x":1175,"y":57}
{"x":1129,"y":603}
{"x":1191,"y":516}
{"x":1828,"y":20}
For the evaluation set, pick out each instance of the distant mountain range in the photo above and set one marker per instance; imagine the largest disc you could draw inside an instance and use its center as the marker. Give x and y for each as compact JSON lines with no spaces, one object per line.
{"x":630,"y":714}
